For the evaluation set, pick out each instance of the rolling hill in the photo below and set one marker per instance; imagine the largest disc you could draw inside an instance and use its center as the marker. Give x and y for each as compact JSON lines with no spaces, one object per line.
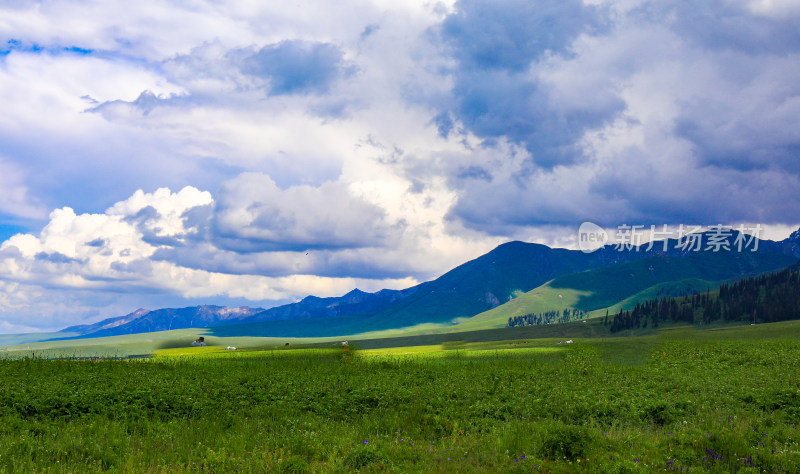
{"x":622,"y":285}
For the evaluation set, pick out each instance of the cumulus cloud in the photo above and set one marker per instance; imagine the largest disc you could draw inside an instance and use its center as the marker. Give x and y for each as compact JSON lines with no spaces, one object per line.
{"x":114,"y":250}
{"x":118,"y":252}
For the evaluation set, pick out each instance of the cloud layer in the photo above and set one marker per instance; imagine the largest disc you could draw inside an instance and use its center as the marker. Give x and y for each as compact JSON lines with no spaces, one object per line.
{"x":251,"y":152}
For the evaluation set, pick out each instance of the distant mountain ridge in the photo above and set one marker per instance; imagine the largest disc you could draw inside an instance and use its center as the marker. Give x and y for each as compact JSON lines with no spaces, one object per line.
{"x":354,"y":302}
{"x":476,"y":286}
{"x":143,"y":320}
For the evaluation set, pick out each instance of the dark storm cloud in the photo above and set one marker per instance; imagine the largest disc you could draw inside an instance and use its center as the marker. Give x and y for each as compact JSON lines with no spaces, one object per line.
{"x":669,"y":112}
{"x":498,"y":47}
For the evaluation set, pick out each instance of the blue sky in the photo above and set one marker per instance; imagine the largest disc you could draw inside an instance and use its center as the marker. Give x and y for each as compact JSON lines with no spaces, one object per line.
{"x":255,"y":152}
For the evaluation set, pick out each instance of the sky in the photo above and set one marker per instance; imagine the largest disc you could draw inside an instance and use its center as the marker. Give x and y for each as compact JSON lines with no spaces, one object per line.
{"x":157,"y":154}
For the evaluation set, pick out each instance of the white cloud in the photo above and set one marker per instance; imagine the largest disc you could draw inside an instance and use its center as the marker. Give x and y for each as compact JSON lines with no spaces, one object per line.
{"x":253,"y":209}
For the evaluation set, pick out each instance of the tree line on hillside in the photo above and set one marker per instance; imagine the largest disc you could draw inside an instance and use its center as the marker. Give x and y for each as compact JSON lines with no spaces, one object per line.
{"x":547,"y":317}
{"x":762,"y":299}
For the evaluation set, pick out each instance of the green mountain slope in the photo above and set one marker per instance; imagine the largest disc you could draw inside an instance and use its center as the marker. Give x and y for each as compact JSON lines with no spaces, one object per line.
{"x":627,"y":283}
{"x":611,"y":284}
{"x":538,"y":300}
{"x":481,"y":284}
{"x":671,"y":289}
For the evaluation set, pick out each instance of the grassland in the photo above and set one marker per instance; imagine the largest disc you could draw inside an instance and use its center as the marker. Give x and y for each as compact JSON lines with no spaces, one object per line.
{"x":719,"y":399}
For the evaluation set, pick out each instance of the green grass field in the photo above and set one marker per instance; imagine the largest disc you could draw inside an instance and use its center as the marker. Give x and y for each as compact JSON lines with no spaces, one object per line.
{"x":719,"y":399}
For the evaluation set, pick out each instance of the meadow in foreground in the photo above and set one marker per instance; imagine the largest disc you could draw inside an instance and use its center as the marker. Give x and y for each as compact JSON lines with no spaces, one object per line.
{"x":718,"y":401}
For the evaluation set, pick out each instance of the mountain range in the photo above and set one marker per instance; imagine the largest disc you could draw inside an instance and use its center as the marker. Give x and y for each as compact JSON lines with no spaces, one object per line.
{"x":489,"y":283}
{"x":143,"y":320}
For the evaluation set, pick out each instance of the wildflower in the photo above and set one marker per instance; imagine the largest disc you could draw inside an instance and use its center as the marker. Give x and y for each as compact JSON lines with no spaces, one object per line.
{"x":365,"y":441}
{"x":636,"y":460}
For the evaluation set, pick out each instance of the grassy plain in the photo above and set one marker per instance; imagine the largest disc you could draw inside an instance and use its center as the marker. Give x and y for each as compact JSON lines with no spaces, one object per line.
{"x":719,"y":399}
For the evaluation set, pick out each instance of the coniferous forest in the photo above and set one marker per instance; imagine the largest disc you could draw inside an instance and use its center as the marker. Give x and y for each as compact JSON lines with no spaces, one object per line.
{"x":547,"y":317}
{"x":766,"y":298}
